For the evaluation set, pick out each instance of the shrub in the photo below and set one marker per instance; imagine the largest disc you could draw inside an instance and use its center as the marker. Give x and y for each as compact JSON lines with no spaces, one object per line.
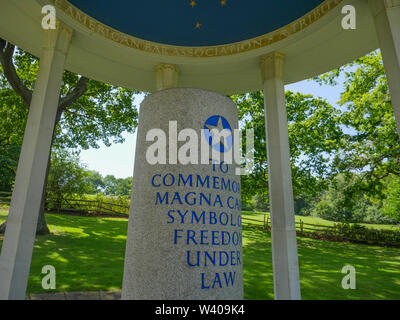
{"x":362,"y":234}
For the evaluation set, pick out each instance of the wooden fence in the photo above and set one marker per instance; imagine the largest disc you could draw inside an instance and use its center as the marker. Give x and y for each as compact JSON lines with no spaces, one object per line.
{"x":5,"y":197}
{"x":88,"y":207}
{"x":337,"y":232}
{"x":79,"y":206}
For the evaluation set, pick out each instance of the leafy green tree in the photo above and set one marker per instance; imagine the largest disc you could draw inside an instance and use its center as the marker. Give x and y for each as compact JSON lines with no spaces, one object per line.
{"x":336,"y":204}
{"x":344,"y":202}
{"x":88,"y":111}
{"x":67,"y":177}
{"x":371,"y":144}
{"x":391,"y":205}
{"x":96,"y":182}
{"x":314,"y":137}
{"x":12,"y":126}
{"x":124,"y":187}
{"x":9,"y":155}
{"x":117,"y":187}
{"x":110,"y":183}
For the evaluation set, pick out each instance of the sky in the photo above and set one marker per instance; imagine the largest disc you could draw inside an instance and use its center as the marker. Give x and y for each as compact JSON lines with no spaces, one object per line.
{"x":115,"y":160}
{"x":118,"y":159}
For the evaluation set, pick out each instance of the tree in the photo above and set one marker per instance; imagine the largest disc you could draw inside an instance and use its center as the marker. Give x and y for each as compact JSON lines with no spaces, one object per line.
{"x":12,"y":126}
{"x":371,"y":145}
{"x":67,"y":177}
{"x":343,"y":201}
{"x":117,"y":187}
{"x":124,"y":187}
{"x":314,"y":137}
{"x":391,"y":205}
{"x":336,"y":204}
{"x":110,"y":185}
{"x":9,"y":155}
{"x":96,"y":182}
{"x":88,"y":110}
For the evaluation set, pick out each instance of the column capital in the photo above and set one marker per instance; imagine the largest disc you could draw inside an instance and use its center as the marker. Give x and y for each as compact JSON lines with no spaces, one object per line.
{"x":166,"y":76}
{"x":272,"y":65}
{"x":59,"y":38}
{"x":392,"y":3}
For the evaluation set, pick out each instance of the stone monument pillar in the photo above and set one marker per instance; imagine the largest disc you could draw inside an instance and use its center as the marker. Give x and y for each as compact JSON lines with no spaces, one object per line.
{"x":184,"y":236}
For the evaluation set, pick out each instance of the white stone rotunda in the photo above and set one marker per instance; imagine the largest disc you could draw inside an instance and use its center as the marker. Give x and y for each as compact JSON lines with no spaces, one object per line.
{"x":189,"y":55}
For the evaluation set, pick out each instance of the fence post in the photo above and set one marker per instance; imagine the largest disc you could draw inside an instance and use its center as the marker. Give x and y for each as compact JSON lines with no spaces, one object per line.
{"x":99,"y":207}
{"x":301,"y":226}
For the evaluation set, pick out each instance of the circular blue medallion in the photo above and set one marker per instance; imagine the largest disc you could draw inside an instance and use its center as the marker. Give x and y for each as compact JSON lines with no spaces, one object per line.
{"x":219,"y":123}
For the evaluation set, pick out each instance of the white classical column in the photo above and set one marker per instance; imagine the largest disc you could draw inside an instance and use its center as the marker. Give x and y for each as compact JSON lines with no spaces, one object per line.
{"x":284,"y":245}
{"x":386,"y":14}
{"x":20,"y":233}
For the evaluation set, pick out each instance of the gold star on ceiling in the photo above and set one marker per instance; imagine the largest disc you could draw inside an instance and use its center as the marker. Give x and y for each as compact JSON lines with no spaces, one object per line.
{"x":194,"y":3}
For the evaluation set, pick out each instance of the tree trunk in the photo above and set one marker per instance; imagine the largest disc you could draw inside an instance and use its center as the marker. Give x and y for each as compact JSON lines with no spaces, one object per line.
{"x":6,"y":61}
{"x":42,"y":228}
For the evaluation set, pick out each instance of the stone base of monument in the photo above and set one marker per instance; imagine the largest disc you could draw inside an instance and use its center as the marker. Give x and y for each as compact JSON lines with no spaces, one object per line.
{"x":184,"y":236}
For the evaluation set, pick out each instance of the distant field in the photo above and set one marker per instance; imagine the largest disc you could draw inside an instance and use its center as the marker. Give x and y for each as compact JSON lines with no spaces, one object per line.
{"x":88,"y":254}
{"x":315,"y":220}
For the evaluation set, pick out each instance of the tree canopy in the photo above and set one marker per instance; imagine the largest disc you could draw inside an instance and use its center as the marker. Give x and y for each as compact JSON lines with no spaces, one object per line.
{"x":372,"y":145}
{"x":346,"y":158}
{"x":102,"y":112}
{"x":314,"y":137}
{"x":88,"y":111}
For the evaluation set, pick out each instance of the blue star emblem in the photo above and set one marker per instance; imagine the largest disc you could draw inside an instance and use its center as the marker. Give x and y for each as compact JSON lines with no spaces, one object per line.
{"x":219,"y":123}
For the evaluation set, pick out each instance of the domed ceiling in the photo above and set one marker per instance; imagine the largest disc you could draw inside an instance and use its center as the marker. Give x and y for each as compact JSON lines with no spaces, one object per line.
{"x":196,"y":22}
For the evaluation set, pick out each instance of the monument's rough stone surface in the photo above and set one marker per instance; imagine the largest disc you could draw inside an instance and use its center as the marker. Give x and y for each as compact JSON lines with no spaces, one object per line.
{"x":184,"y":236}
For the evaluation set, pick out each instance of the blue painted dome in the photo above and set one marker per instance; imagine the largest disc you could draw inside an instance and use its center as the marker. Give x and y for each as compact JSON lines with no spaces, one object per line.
{"x":196,"y":22}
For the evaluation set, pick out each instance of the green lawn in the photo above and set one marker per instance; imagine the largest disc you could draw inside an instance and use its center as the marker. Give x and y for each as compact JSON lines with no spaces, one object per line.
{"x":88,"y":254}
{"x":318,"y":221}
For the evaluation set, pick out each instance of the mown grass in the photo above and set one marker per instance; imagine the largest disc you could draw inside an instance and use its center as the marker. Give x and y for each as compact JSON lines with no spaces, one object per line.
{"x":318,"y":221}
{"x":378,"y":269}
{"x":88,"y":254}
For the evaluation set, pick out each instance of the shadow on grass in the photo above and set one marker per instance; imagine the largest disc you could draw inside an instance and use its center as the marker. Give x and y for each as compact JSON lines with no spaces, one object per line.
{"x":257,"y":264}
{"x":378,"y":268}
{"x":88,"y":253}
